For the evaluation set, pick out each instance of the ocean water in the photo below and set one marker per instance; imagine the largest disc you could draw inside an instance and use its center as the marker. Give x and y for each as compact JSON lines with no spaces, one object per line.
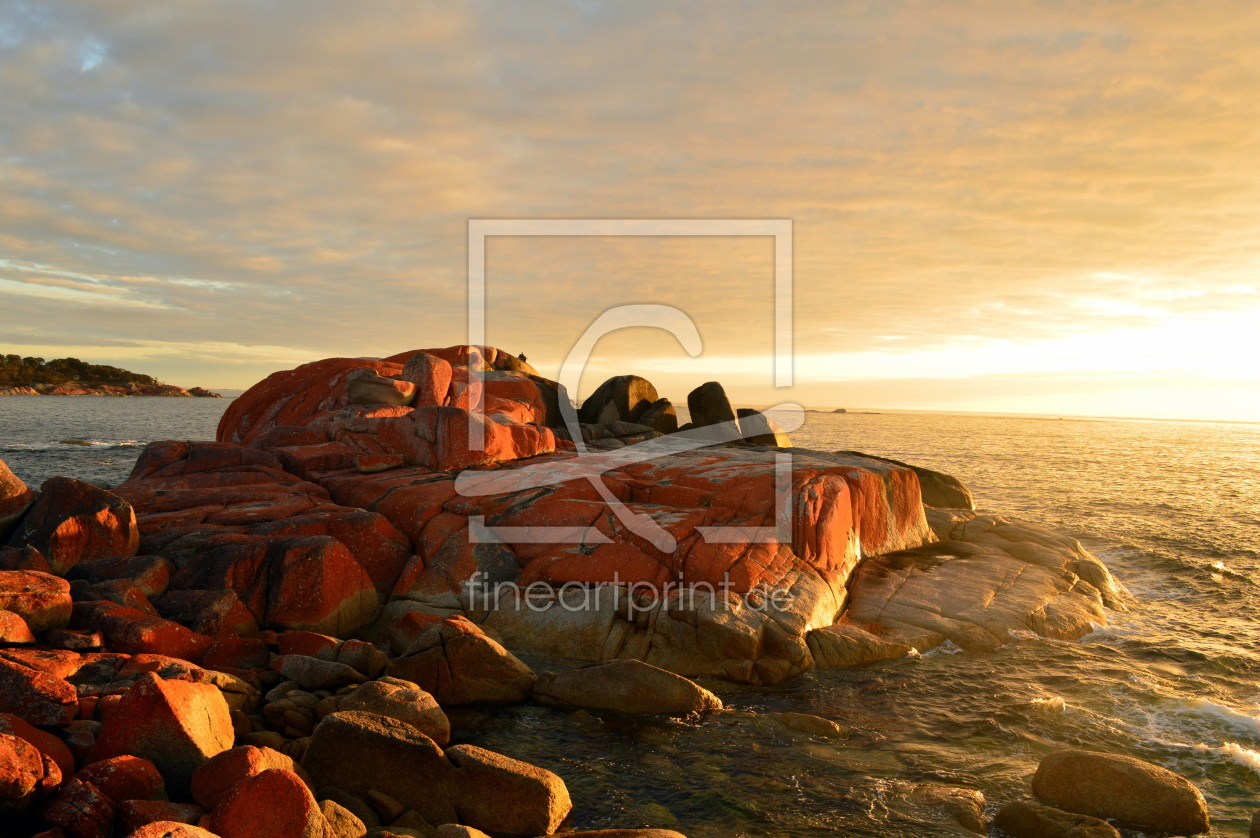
{"x":1171,"y":507}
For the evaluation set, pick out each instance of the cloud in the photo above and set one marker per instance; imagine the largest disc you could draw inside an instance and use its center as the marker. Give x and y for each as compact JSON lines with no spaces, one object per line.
{"x":959,"y":175}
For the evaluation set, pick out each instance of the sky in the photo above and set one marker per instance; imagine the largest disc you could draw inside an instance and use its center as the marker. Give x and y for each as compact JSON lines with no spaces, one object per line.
{"x":1043,"y":207}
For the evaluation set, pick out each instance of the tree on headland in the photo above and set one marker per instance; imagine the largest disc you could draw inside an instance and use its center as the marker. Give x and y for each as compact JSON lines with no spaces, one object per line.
{"x":18,"y":371}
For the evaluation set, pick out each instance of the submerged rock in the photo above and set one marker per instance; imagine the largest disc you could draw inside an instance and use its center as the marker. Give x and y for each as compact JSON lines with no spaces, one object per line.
{"x":1121,"y":788}
{"x":1025,"y":819}
{"x":628,"y":686}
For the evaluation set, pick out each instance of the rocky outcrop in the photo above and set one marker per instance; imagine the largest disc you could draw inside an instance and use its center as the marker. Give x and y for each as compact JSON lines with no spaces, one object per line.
{"x":988,"y":577}
{"x":75,"y":522}
{"x":1121,"y":788}
{"x":940,"y":490}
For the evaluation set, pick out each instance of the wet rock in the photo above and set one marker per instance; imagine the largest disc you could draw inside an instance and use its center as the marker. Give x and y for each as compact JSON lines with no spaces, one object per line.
{"x":362,"y":753}
{"x":40,"y":599}
{"x":1025,"y":819}
{"x":1121,"y":788}
{"x":81,"y":810}
{"x":125,"y":778}
{"x":628,"y":686}
{"x":404,"y":701}
{"x":176,"y":725}
{"x":36,"y":696}
{"x":456,"y":663}
{"x":847,"y":644}
{"x":15,"y":499}
{"x":993,"y":576}
{"x":272,"y":804}
{"x":74,"y":522}
{"x":131,"y":815}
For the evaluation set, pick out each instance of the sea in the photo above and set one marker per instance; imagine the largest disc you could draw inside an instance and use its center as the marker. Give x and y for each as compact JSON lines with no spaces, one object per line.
{"x":1171,"y":507}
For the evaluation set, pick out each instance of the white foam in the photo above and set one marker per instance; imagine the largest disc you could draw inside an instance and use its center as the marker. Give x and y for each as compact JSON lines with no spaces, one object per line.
{"x":1234,"y":718}
{"x":1237,"y":753}
{"x":949,"y":647}
{"x":1054,"y":704}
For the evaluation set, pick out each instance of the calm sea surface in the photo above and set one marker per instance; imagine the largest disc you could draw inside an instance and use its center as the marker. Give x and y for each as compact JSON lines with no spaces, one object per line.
{"x":1171,"y":507}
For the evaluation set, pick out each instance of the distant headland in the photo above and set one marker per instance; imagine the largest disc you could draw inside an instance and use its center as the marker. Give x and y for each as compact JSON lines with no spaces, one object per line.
{"x":21,"y":376}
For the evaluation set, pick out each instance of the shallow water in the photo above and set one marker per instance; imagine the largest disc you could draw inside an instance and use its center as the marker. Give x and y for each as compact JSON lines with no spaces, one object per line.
{"x":1170,"y":507}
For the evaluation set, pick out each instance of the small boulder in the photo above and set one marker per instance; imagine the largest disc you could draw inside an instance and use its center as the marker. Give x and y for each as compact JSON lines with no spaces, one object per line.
{"x":341,"y":822}
{"x":316,"y":674}
{"x":627,"y":686}
{"x":40,"y":599}
{"x":404,"y":701}
{"x":1121,"y":788}
{"x":134,"y":814}
{"x":272,"y":804}
{"x":456,"y":663}
{"x":13,"y":630}
{"x":503,"y":795}
{"x":81,"y":810}
{"x":176,"y":725}
{"x":171,"y":829}
{"x":1025,"y":819}
{"x":125,"y":778}
{"x":431,"y":376}
{"x":74,"y":522}
{"x":212,"y":781}
{"x":25,"y":776}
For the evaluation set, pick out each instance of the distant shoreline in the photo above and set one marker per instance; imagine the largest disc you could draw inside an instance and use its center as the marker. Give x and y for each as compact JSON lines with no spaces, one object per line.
{"x":113,"y":391}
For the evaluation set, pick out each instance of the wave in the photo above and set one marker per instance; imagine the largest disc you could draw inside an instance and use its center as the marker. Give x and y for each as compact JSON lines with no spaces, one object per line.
{"x":65,"y":445}
{"x":1245,"y":757}
{"x":1234,"y":718}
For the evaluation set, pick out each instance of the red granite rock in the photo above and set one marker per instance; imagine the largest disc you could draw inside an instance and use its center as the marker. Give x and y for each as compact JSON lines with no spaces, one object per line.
{"x":212,"y":782}
{"x":14,"y":630}
{"x":45,"y":742}
{"x":272,"y":804}
{"x":41,"y":599}
{"x":26,"y":775}
{"x":15,"y":498}
{"x":81,"y":809}
{"x":74,"y":522}
{"x":132,"y":631}
{"x":23,"y":558}
{"x":171,"y":829}
{"x":35,"y":695}
{"x":125,"y":777}
{"x":176,"y":725}
{"x":131,"y":815}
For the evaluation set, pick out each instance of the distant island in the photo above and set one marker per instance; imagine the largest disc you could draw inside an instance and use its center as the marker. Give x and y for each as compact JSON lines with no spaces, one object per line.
{"x":22,"y":376}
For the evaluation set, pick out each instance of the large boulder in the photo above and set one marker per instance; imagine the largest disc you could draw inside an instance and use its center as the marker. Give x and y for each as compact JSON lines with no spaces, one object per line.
{"x":271,"y":804}
{"x":1025,"y":819}
{"x":176,"y":725}
{"x":125,"y":777}
{"x":212,"y":781}
{"x":626,"y":686}
{"x":15,"y":499}
{"x":621,"y":398}
{"x":39,"y":697}
{"x":26,"y":776}
{"x":988,"y":577}
{"x":708,"y":405}
{"x":404,"y":701}
{"x":1121,"y":788}
{"x":361,"y":753}
{"x":74,"y":522}
{"x":40,"y":599}
{"x":456,"y":663}
{"x":759,"y":429}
